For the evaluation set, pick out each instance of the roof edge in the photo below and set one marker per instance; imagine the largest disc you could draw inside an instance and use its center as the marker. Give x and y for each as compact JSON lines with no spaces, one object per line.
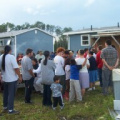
{"x":34,"y":29}
{"x":90,"y":31}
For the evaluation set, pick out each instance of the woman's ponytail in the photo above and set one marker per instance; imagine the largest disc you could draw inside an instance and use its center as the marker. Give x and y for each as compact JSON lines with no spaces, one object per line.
{"x":7,"y":49}
{"x":46,"y":54}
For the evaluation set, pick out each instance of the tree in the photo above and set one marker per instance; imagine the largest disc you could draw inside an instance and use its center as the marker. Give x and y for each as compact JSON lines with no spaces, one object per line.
{"x":3,"y":27}
{"x":40,"y":25}
{"x":18,"y":27}
{"x":10,"y":25}
{"x":51,"y":28}
{"x":26,"y":25}
{"x":58,"y":31}
{"x":67,"y":29}
{"x":47,"y":27}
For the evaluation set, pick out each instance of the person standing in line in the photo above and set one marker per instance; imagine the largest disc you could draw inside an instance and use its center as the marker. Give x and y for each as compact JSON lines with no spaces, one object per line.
{"x":67,"y":74}
{"x":66,"y":54}
{"x":59,"y":71}
{"x":92,"y":71}
{"x":110,"y":61}
{"x":86,"y":51}
{"x":38,"y":86}
{"x":0,"y":91}
{"x":47,"y":73}
{"x":56,"y":88}
{"x":27,"y":74}
{"x":35,"y":67}
{"x":99,"y":64}
{"x":67,"y":77}
{"x":77,"y":54}
{"x":83,"y":73}
{"x":40,"y":55}
{"x":10,"y":73}
{"x":75,"y":88}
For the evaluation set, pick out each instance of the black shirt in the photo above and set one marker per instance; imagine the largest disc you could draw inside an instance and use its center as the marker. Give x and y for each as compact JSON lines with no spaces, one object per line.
{"x":93,"y":64}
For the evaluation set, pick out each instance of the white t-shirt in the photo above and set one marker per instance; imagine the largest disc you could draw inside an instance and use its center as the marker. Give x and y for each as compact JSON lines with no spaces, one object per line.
{"x":9,"y":74}
{"x":38,"y":71}
{"x":59,"y":62}
{"x":80,"y":61}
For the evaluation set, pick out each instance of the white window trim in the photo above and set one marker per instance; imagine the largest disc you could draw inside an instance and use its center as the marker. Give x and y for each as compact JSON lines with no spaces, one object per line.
{"x":88,"y":40}
{"x":8,"y":42}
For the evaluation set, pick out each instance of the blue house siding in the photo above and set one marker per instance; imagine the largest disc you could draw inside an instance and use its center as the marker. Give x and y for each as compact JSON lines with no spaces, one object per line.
{"x":75,"y":43}
{"x":39,"y":41}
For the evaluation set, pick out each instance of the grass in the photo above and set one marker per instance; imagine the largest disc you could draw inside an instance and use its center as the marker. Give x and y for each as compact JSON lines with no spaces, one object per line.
{"x":93,"y":107}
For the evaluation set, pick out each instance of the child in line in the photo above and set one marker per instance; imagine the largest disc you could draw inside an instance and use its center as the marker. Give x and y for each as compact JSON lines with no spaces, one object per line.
{"x":92,"y":71}
{"x":56,"y":88}
{"x":67,"y":75}
{"x":75,"y":88}
{"x":37,"y":82}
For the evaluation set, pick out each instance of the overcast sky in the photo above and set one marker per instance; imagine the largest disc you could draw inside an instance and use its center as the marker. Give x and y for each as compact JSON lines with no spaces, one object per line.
{"x":65,"y":13}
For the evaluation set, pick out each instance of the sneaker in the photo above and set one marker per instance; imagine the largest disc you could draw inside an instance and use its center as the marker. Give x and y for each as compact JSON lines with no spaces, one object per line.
{"x":53,"y":107}
{"x":14,"y":112}
{"x":61,"y":107}
{"x":90,"y":89}
{"x":93,"y":88}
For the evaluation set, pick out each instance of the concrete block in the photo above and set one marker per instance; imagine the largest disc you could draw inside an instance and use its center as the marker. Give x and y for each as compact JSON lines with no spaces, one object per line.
{"x":116,"y":104}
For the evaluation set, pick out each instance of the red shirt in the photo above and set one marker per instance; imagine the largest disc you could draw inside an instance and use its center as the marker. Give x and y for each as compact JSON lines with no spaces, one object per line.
{"x":85,"y":54}
{"x":99,"y":60}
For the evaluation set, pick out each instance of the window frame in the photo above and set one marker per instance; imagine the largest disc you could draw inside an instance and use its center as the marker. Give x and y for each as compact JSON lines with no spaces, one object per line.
{"x":86,"y":40}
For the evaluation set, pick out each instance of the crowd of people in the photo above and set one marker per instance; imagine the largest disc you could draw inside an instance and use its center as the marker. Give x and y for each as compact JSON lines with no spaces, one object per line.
{"x":64,"y":75}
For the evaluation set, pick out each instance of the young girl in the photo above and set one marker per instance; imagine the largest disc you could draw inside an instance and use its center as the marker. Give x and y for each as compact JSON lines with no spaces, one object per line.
{"x":92,"y":71}
{"x":35,"y":66}
{"x":67,"y":73}
{"x":83,"y":73}
{"x":35,"y":63}
{"x":75,"y":89}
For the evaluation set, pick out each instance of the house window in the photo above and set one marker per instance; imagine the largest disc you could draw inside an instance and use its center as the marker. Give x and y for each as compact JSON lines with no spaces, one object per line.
{"x":1,"y":42}
{"x":85,"y":40}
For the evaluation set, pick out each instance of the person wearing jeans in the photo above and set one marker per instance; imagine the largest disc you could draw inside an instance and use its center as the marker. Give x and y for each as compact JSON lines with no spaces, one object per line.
{"x":27,"y":74}
{"x":99,"y":64}
{"x":47,"y":95}
{"x":10,"y":74}
{"x":28,"y":89}
{"x":47,"y":73}
{"x":59,"y":71}
{"x":110,"y":61}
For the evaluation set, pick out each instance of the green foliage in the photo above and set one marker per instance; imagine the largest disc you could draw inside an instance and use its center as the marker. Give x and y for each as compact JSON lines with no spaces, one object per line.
{"x":3,"y":28}
{"x":93,"y":107}
{"x":49,"y":28}
{"x":62,"y":42}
